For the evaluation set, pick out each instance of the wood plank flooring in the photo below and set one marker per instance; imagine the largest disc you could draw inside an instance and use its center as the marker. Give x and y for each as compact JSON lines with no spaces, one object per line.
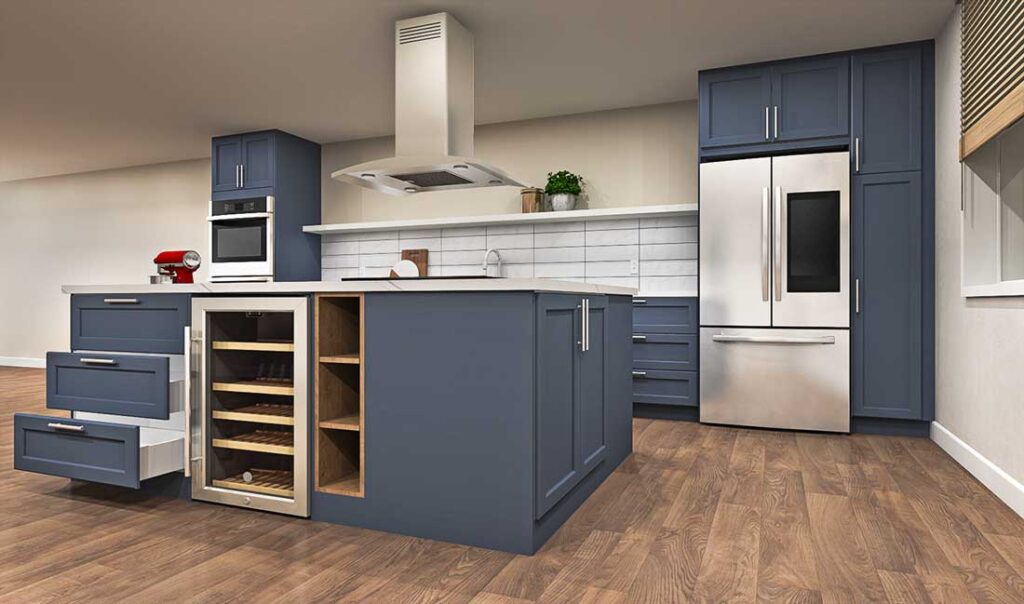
{"x":697,"y":514}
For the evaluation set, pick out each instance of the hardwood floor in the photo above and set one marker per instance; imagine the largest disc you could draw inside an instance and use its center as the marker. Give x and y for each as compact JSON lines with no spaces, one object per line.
{"x":698,"y":513}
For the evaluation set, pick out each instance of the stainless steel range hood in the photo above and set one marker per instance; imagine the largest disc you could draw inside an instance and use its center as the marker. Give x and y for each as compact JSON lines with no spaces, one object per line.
{"x":433,"y":115}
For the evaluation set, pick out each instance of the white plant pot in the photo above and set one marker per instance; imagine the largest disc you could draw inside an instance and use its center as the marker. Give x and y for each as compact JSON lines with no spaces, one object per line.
{"x":560,"y":202}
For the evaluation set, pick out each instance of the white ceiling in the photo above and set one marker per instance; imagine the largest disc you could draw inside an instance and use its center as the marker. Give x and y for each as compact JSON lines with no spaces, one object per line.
{"x":111,"y":83}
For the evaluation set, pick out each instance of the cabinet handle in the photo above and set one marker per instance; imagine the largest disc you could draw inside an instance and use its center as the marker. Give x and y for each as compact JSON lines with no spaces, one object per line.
{"x":856,"y":154}
{"x":65,"y":427}
{"x":586,"y":325}
{"x":120,"y":301}
{"x":92,"y":361}
{"x":856,"y":296}
{"x":767,"y":136}
{"x":775,"y":111}
{"x":639,"y":338}
{"x":639,"y":374}
{"x":639,"y":301}
{"x":241,"y":176}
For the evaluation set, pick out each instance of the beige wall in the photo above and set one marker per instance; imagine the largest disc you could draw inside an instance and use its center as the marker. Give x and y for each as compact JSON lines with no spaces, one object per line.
{"x":96,"y":227}
{"x":628,"y":157}
{"x":980,"y":342}
{"x":105,"y":227}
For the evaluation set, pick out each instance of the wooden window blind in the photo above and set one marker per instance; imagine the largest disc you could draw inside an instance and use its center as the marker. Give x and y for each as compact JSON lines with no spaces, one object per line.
{"x":992,"y":69}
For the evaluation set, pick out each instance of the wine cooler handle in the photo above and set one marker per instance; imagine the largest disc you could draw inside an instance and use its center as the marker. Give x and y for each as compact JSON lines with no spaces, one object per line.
{"x":188,"y":401}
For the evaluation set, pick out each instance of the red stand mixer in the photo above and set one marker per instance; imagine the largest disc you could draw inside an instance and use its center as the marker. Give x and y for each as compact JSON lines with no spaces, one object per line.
{"x":178,"y":265}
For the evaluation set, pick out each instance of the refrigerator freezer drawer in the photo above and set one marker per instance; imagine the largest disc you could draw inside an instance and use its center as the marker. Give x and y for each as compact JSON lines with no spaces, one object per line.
{"x":797,"y":379}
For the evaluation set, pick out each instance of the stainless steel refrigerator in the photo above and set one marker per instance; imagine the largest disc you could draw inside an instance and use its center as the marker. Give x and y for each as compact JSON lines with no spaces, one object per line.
{"x":775,"y":292}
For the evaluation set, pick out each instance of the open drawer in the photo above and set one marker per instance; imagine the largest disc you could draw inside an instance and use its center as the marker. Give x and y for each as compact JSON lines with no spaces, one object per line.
{"x":133,"y":385}
{"x":118,"y":454}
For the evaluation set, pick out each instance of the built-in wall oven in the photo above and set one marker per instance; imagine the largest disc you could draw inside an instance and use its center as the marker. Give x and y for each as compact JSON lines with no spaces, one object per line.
{"x":775,"y":292}
{"x":242,"y":239}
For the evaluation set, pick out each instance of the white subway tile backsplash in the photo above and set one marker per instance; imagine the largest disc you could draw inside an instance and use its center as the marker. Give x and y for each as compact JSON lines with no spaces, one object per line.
{"x":669,"y":286}
{"x":500,"y":242}
{"x":606,"y":253}
{"x":463,"y":232}
{"x":516,"y":271}
{"x":377,"y":272}
{"x":608,"y":269}
{"x":559,"y":269}
{"x":668,"y":235}
{"x":349,"y":261}
{"x":419,"y":234}
{"x":612,"y":225}
{"x":567,"y":239}
{"x":454,"y":258}
{"x":559,"y":254}
{"x":467,"y":270}
{"x":621,"y":237}
{"x":510,"y":229}
{"x":333,"y":248}
{"x":381,"y":246}
{"x":617,"y":281}
{"x":376,"y":236}
{"x":668,"y":221}
{"x":667,"y":268}
{"x":379,"y":260}
{"x":558,"y":227}
{"x":431,"y":244}
{"x":471,"y":242}
{"x":668,"y":251}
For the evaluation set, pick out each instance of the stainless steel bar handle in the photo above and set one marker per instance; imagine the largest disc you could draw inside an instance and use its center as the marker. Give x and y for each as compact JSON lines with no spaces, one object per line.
{"x":777,"y":260}
{"x":639,"y":374}
{"x":775,"y":111}
{"x":765,"y":219}
{"x":65,"y":427}
{"x":775,"y":339}
{"x":639,"y":338}
{"x":120,"y":301}
{"x":767,"y":135}
{"x":94,"y":361}
{"x":586,"y":324}
{"x":579,"y":307}
{"x":188,"y":401}
{"x":856,"y":296}
{"x":639,"y":301}
{"x":236,"y":176}
{"x":241,"y":176}
{"x":856,"y":154}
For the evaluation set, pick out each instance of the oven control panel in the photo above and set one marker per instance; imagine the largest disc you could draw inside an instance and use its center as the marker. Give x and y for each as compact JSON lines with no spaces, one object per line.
{"x":239,"y":206}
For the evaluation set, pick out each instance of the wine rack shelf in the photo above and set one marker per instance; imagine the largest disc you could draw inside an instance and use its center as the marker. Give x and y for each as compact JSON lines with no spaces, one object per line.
{"x":261,"y":441}
{"x":266,"y":482}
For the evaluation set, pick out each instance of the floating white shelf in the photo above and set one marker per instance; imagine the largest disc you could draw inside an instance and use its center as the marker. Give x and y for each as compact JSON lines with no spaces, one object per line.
{"x":495,"y":219}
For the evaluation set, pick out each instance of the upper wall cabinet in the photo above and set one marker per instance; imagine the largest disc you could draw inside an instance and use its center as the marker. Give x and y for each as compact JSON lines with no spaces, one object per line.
{"x":886,"y":119}
{"x":734,"y":106}
{"x":786,"y":105}
{"x":243,"y":161}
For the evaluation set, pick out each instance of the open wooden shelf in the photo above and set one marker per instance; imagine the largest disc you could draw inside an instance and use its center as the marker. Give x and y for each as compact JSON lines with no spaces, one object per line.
{"x":261,"y":413}
{"x":340,"y":460}
{"x":256,"y":387}
{"x":345,"y":422}
{"x":257,"y":346}
{"x":342,"y":359}
{"x":266,"y":482}
{"x":350,"y":485}
{"x":262,"y":441}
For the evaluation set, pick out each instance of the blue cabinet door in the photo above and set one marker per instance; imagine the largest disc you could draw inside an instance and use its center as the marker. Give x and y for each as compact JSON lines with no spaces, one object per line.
{"x":886,"y":110}
{"x":118,"y":384}
{"x":558,"y":456}
{"x":887,"y":320}
{"x":257,"y":160}
{"x":226,"y":159}
{"x":810,"y":98}
{"x":152,"y":323}
{"x":84,"y":450}
{"x":734,"y":106}
{"x":593,"y":383}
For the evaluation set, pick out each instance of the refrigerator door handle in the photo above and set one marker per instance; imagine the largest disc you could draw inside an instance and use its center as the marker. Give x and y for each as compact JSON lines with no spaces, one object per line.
{"x":777,"y":242}
{"x":775,"y":339}
{"x":765,"y":219}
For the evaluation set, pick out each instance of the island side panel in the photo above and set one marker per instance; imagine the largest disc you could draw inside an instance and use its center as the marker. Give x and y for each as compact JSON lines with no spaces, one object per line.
{"x":449,"y":403}
{"x":618,"y":416}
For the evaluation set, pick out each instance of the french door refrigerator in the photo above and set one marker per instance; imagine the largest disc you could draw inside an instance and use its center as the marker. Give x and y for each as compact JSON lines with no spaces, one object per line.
{"x":775,"y":292}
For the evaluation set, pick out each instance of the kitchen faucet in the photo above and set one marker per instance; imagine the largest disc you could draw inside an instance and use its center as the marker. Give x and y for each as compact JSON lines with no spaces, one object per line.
{"x":487,"y":255}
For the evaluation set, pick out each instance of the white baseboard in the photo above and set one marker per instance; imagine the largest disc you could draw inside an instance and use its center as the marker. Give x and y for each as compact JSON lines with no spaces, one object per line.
{"x":22,"y":362}
{"x":1006,"y":487}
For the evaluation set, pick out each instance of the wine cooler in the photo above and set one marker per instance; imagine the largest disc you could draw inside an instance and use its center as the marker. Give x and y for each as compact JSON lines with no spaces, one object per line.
{"x":247,"y":403}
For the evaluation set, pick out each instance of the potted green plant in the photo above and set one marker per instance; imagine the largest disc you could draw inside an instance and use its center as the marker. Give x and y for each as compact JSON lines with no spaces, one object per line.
{"x":563,"y":187}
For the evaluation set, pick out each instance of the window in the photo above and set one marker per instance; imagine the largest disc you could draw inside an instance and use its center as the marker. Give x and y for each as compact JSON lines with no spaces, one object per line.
{"x":993,"y":216}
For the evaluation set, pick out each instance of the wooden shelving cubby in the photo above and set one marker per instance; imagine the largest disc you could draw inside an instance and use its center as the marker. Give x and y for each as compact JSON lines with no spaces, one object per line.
{"x":339,"y":412}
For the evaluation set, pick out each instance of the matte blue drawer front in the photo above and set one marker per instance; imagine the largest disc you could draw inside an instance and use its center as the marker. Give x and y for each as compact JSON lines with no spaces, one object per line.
{"x":84,"y":450}
{"x":108,"y":383}
{"x":659,"y":387}
{"x":665,"y":315}
{"x":130,"y":322}
{"x":674,"y":352}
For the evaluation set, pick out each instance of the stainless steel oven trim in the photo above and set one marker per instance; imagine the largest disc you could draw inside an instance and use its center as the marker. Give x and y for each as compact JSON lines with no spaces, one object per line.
{"x":244,"y":271}
{"x":299,"y":504}
{"x":227,"y":217}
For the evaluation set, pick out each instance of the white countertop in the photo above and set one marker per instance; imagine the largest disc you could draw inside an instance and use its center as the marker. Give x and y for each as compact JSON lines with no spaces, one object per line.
{"x":383,"y":285}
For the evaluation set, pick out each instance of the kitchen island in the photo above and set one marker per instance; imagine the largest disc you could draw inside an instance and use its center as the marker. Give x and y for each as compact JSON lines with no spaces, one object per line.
{"x":478,"y":411}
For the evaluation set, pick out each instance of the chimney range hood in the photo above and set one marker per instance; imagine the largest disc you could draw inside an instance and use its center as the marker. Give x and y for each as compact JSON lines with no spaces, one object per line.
{"x":433,"y":115}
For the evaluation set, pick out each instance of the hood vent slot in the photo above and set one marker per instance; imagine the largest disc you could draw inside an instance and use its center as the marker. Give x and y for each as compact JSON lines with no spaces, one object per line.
{"x":419,"y":33}
{"x":440,"y":178}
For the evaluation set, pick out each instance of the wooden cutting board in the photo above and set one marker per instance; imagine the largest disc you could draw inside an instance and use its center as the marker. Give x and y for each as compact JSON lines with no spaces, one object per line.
{"x":417,"y":257}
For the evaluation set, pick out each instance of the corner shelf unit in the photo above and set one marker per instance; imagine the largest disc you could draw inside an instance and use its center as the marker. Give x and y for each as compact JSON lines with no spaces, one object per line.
{"x":339,"y":413}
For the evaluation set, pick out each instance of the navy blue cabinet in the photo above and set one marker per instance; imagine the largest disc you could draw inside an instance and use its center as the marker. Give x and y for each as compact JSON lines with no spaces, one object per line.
{"x":886,"y":125}
{"x":244,"y":161}
{"x":787,"y":105}
{"x":571,"y":428}
{"x":152,"y":323}
{"x":734,"y":106}
{"x":84,"y":450}
{"x":810,"y":98}
{"x":665,"y":356}
{"x":888,"y":318}
{"x":118,"y":384}
{"x":226,"y":162}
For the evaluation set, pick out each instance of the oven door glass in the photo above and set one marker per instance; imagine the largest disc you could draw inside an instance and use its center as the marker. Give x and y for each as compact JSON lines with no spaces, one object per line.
{"x":243,"y":240}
